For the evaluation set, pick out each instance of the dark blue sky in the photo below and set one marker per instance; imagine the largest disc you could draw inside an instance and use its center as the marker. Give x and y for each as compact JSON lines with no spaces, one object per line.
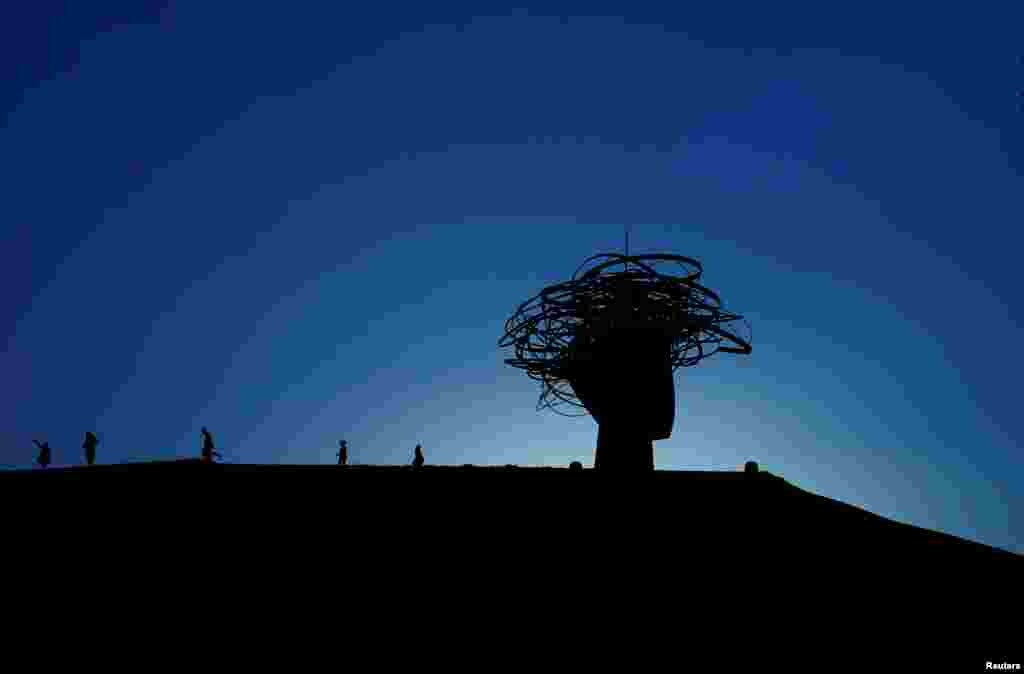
{"x":296,"y":226}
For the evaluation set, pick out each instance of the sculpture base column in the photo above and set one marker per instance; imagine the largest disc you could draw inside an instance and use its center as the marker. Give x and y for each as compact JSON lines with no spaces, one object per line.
{"x":620,"y":448}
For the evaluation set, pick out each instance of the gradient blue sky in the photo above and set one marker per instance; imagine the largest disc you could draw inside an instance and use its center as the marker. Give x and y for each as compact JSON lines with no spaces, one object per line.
{"x":301,"y":225}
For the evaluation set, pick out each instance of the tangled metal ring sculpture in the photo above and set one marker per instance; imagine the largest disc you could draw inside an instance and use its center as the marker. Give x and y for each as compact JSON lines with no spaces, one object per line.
{"x":551,"y":328}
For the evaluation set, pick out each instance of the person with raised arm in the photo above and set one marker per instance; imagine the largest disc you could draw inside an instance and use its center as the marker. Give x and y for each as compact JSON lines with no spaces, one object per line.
{"x":208,"y":448}
{"x":44,"y":453}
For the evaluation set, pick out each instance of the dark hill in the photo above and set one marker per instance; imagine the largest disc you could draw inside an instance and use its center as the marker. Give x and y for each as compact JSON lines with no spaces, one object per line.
{"x":752,"y":541}
{"x":731,"y":508}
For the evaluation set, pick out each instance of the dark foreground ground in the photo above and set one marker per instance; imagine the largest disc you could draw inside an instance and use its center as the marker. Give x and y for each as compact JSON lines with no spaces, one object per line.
{"x":671,"y":546}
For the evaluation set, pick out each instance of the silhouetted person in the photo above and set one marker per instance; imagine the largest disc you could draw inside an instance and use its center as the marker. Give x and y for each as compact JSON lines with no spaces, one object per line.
{"x":343,"y":453}
{"x":750,"y":468}
{"x":44,"y":453}
{"x":90,"y":447}
{"x":418,"y":459}
{"x":208,"y":449}
{"x":575,"y":465}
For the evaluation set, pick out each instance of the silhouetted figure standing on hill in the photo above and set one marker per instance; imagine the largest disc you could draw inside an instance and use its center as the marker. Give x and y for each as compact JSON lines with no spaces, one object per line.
{"x":44,"y":453}
{"x":418,"y":459}
{"x":208,"y":449}
{"x":90,"y":447}
{"x":343,"y":453}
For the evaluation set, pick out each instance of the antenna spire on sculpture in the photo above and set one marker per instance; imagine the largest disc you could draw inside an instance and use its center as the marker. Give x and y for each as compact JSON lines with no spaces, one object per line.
{"x":609,"y":341}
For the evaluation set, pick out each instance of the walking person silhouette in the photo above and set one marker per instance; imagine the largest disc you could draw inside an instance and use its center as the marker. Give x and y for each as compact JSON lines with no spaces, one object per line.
{"x":343,"y":453}
{"x":418,"y":459}
{"x":44,"y":453}
{"x":208,"y":448}
{"x":90,"y":447}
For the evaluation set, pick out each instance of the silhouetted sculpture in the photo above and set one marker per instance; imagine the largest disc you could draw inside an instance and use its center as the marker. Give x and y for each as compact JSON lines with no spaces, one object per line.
{"x":418,"y":458}
{"x":90,"y":447}
{"x":208,"y":448}
{"x":575,"y":466}
{"x":343,"y":453}
{"x":609,"y":342}
{"x":44,"y":453}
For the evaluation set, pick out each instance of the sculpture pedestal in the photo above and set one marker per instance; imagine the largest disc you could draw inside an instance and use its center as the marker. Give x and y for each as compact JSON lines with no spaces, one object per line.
{"x":621,"y":448}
